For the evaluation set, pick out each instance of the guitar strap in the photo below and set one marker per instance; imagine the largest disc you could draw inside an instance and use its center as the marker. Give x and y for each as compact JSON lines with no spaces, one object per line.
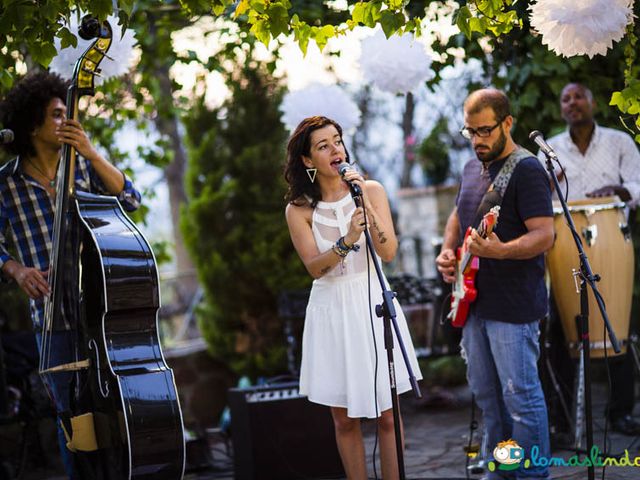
{"x":496,"y":190}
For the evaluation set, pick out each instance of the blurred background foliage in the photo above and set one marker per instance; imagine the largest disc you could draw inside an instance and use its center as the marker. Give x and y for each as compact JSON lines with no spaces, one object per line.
{"x":234,"y":223}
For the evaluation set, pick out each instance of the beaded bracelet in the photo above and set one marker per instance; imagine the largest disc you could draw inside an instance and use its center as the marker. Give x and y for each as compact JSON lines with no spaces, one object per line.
{"x":343,"y":245}
{"x":339,"y":251}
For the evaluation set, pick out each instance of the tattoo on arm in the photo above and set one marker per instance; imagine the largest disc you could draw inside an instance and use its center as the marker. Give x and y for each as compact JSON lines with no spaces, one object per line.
{"x":381,"y":237}
{"x":325,"y":270}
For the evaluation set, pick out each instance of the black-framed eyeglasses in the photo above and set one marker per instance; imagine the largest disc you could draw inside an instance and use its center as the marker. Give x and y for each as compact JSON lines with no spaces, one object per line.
{"x":481,"y":132}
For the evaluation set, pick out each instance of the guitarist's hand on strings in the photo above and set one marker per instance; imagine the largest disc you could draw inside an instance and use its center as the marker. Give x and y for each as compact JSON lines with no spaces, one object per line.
{"x":490,"y":247}
{"x":446,"y":263}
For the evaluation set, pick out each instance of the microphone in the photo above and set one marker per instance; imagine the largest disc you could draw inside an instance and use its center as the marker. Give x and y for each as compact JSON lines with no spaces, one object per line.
{"x":537,"y":137}
{"x":355,"y":189}
{"x":6,"y":136}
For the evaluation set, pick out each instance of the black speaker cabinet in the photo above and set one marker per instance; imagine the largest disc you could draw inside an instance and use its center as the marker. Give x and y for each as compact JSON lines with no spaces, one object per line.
{"x":280,"y":435}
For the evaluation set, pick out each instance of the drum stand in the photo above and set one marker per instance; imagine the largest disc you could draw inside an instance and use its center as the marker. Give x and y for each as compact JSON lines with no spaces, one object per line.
{"x":586,"y":278}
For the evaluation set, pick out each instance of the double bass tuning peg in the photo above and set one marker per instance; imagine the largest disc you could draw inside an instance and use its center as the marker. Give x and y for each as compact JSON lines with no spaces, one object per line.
{"x":91,"y":27}
{"x":95,"y":73}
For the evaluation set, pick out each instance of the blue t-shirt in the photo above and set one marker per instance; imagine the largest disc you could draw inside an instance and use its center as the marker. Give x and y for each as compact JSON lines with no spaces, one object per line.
{"x":510,"y":291}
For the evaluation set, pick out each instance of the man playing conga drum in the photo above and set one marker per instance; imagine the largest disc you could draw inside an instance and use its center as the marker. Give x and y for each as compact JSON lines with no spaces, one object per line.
{"x":600,"y":162}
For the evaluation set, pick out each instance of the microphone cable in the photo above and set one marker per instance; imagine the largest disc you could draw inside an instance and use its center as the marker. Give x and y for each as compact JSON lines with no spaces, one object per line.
{"x":566,"y":181}
{"x":375,"y":343}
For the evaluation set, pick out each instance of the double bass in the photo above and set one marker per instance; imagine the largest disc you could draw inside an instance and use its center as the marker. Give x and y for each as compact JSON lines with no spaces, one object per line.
{"x":100,"y":342}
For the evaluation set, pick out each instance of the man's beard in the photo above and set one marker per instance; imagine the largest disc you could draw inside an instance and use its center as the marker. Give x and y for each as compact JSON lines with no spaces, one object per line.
{"x":495,"y":151}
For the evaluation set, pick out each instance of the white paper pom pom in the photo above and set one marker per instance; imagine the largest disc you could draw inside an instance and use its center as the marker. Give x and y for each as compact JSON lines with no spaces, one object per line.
{"x":122,"y":51}
{"x":396,"y":65}
{"x":325,"y":100}
{"x":586,"y":27}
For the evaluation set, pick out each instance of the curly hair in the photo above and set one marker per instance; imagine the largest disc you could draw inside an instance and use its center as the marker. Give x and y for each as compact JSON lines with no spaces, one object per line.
{"x":23,"y":109}
{"x":301,"y":190}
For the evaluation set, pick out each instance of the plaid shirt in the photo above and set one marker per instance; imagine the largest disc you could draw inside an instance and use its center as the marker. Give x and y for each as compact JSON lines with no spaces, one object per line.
{"x":27,"y":212}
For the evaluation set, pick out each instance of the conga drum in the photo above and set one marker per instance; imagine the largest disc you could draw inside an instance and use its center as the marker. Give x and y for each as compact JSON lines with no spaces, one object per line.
{"x":605,"y":235}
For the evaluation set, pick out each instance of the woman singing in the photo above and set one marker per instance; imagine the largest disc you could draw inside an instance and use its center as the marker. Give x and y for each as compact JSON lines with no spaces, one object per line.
{"x":344,"y":362}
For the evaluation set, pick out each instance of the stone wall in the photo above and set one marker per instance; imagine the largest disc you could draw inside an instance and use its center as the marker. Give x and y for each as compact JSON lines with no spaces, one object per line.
{"x":422,"y":216}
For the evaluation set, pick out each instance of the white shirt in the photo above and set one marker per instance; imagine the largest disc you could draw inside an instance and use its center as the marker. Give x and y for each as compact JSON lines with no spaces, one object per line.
{"x":612,"y":158}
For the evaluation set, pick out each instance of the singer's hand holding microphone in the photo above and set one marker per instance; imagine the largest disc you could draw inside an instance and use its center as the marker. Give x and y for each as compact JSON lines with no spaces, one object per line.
{"x":357,"y":225}
{"x":353,"y":178}
{"x":357,"y":186}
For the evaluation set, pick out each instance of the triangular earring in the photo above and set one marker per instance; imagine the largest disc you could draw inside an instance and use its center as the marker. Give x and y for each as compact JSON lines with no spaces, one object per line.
{"x":311,"y":172}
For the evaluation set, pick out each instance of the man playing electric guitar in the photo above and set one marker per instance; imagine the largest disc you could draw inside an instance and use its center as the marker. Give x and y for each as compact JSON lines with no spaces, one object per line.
{"x":500,"y":337}
{"x":464,"y":291}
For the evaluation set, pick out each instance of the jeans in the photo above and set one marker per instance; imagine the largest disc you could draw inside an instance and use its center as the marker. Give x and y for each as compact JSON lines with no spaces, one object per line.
{"x":503,"y":375}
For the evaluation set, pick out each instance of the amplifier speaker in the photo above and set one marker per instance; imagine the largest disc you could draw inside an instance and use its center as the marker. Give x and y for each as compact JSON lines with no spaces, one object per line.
{"x":278,"y":434}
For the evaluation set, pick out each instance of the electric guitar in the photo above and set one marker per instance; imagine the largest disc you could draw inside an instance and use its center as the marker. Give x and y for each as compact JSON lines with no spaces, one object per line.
{"x":464,"y":292}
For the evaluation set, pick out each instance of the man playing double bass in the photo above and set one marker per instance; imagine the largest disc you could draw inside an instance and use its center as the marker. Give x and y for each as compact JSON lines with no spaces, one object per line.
{"x":35,"y":110}
{"x":599,"y":162}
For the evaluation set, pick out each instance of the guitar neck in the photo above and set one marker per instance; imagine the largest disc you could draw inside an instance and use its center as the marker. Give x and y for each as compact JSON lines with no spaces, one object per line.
{"x":464,"y":261}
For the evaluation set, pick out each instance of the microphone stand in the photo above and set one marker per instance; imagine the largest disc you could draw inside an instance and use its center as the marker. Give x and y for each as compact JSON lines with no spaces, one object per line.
{"x":387,"y":311}
{"x":587,"y":277}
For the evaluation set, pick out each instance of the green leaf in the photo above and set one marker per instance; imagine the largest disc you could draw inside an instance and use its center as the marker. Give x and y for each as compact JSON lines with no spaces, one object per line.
{"x":490,"y":8}
{"x":49,"y":10}
{"x":67,"y":39}
{"x":101,"y":8}
{"x":410,"y":26}
{"x":218,"y":7}
{"x":302,"y":32}
{"x":617,"y":99}
{"x":391,"y":22}
{"x":261,"y":30}
{"x":357,"y":15}
{"x":372,"y":13}
{"x":329,"y":31}
{"x":462,"y":20}
{"x":322,"y":34}
{"x":43,"y":52}
{"x":278,"y":19}
{"x":477,"y":25}
{"x":258,"y":5}
{"x":126,"y":6}
{"x":6,"y":79}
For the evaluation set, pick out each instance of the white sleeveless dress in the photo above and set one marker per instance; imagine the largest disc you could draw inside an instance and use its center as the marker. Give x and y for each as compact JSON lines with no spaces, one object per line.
{"x":338,"y":353}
